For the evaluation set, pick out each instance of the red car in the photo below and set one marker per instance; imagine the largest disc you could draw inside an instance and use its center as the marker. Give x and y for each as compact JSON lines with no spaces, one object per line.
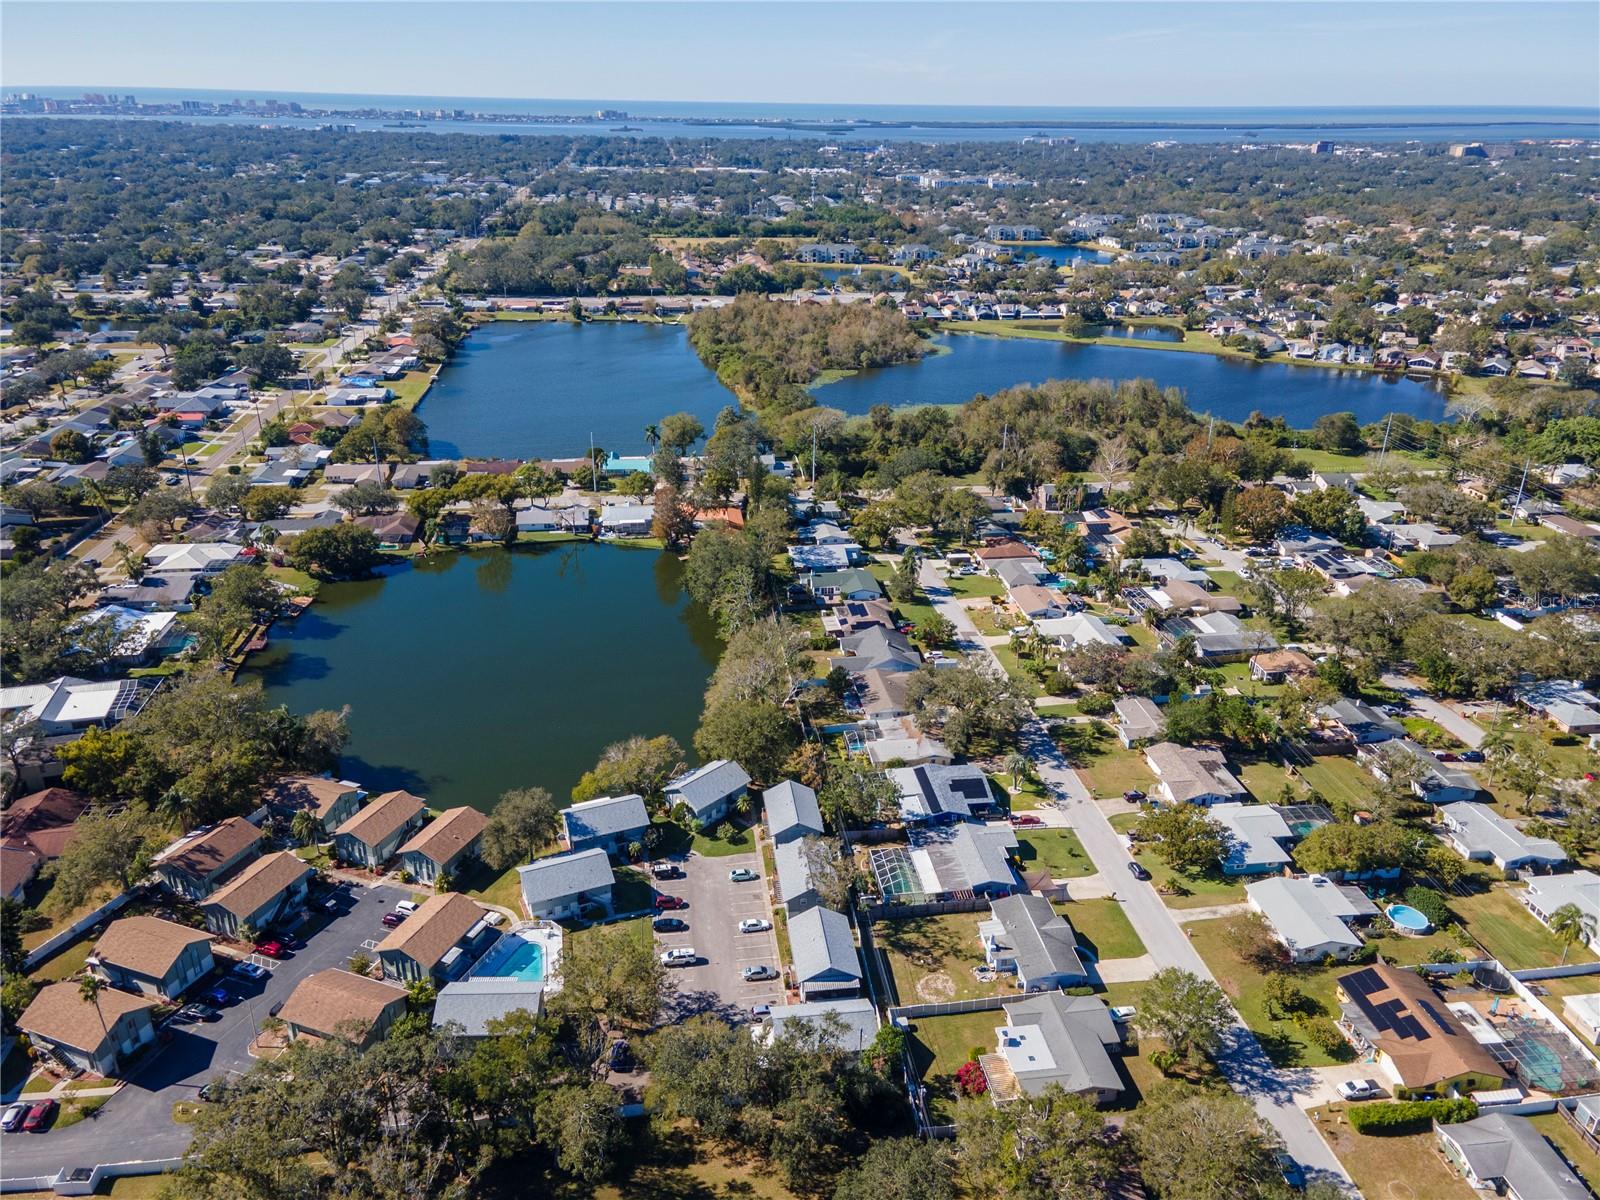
{"x":1026,"y":819}
{"x":270,"y":949}
{"x":391,"y":919}
{"x":665,"y":903}
{"x":39,"y":1116}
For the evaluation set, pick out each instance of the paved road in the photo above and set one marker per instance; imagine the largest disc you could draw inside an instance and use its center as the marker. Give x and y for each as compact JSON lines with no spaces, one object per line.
{"x":136,"y":1124}
{"x":1452,"y":721}
{"x":1241,"y":1057}
{"x":716,"y":906}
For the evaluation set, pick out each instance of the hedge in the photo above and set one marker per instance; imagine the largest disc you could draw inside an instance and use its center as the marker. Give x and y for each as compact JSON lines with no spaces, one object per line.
{"x":1409,"y":1116}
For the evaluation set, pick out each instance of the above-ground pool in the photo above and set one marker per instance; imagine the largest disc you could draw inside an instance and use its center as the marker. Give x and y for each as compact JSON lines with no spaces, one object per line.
{"x":1407,"y":919}
{"x":527,"y":953}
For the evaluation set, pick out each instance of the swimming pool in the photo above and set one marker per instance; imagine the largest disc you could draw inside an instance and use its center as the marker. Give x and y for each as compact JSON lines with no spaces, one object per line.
{"x":527,"y":953}
{"x":1407,"y":919}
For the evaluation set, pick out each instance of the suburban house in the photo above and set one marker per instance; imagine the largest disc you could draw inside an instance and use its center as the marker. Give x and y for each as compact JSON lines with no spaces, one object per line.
{"x":792,"y":812}
{"x":208,"y":558}
{"x":1435,"y":782}
{"x":371,"y":837}
{"x":1080,"y":629}
{"x":853,"y":583}
{"x":339,"y":1003}
{"x":44,"y":822}
{"x":68,"y":705}
{"x":626,"y":520}
{"x":195,"y":867}
{"x":796,"y":892}
{"x":1037,"y":603}
{"x":710,"y":791}
{"x":1505,"y":1154}
{"x":1311,"y":915}
{"x":935,"y":793}
{"x":824,"y":950}
{"x":611,"y":823}
{"x":95,"y":1036}
{"x":19,"y":866}
{"x":1193,"y":774}
{"x":1545,"y":894}
{"x":331,"y":801}
{"x":1278,"y":666}
{"x":1026,"y":936}
{"x":471,"y":1004}
{"x":1139,"y":721}
{"x":1583,"y":1014}
{"x":966,"y":857}
{"x":1568,"y":705}
{"x":1218,"y":637}
{"x":151,"y":956}
{"x":562,"y":885}
{"x":268,"y":887}
{"x":1479,"y":834}
{"x":1394,"y":1016}
{"x":1052,"y":1038}
{"x":1256,"y":837}
{"x":850,"y":1023}
{"x":444,"y":845}
{"x":437,"y":941}
{"x":1361,"y":723}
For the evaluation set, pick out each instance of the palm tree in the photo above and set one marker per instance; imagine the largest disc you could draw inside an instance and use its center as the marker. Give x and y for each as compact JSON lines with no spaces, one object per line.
{"x":1571,"y":925}
{"x":89,"y":992}
{"x":652,"y":436}
{"x":1016,"y":767}
{"x":1496,"y":739}
{"x":305,"y":828}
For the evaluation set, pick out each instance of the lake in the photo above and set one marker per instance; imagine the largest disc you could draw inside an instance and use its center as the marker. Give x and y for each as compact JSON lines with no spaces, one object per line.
{"x":527,"y":389}
{"x":472,"y":673}
{"x":1062,"y":256}
{"x":1141,"y":333}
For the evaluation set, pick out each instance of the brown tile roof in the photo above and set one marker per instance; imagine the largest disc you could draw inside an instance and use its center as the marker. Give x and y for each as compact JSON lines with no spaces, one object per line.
{"x":59,"y":1014}
{"x":257,"y":884}
{"x":1284,"y":660}
{"x":145,"y":945}
{"x":442,"y":839}
{"x":294,"y":793}
{"x":325,"y":1000}
{"x":1003,"y":550}
{"x":44,"y":821}
{"x":1424,"y":1039}
{"x":429,"y":933}
{"x":19,"y":863}
{"x":206,"y":853}
{"x":382,"y":817}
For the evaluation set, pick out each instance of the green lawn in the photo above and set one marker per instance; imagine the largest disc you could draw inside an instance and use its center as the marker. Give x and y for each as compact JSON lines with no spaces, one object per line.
{"x":495,"y":887}
{"x":939,"y":1045}
{"x":1055,"y":850}
{"x":1230,"y":583}
{"x":1284,"y":1041}
{"x":1394,"y":1166}
{"x":706,"y":842}
{"x":66,"y":964}
{"x":1198,"y":891}
{"x":1026,"y":684}
{"x":1105,"y":765}
{"x":1336,"y":779}
{"x":1030,"y":794}
{"x":1103,"y":927}
{"x":966,"y":587}
{"x":1058,"y":710}
{"x":1559,"y":1130}
{"x":916,"y":610}
{"x":1510,"y":932}
{"x":633,"y":892}
{"x":932,"y":958}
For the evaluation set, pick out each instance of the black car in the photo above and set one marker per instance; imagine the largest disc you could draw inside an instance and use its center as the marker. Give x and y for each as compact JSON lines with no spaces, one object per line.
{"x":621,"y":1057}
{"x":669,"y":924}
{"x":1137,"y":871}
{"x":1474,"y":756}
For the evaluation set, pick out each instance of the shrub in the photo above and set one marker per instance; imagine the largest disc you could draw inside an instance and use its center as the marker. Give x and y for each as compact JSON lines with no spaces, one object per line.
{"x":1429,"y":903}
{"x":1163,"y":1060}
{"x":1079,"y":991}
{"x":970,"y":1079}
{"x":1324,"y":1035}
{"x":1409,"y":1116}
{"x":1368,"y":953}
{"x":1443,"y":954}
{"x":1095,"y":704}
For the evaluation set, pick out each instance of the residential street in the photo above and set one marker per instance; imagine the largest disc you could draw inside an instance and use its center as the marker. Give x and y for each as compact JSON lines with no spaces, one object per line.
{"x":1452,"y":721}
{"x":1241,"y":1059}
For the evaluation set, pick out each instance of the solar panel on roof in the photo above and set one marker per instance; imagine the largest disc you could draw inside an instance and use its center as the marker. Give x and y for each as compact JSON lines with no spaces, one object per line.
{"x":1439,"y":1019}
{"x":969,"y":789}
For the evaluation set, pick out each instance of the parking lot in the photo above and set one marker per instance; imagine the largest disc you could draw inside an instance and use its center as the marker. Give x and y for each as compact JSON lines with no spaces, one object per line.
{"x":137,"y":1122}
{"x":716,"y":906}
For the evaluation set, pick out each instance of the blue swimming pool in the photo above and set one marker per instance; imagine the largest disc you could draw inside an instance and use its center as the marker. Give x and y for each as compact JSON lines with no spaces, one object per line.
{"x":1408,"y":919}
{"x":514,"y":958}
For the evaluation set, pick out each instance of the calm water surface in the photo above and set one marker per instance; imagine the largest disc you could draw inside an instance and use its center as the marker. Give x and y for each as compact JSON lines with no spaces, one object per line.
{"x":1062,"y":256}
{"x":469,"y":674}
{"x":540,"y":389}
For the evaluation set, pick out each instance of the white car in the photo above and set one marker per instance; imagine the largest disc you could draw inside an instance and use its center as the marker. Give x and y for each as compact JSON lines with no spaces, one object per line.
{"x":495,"y":919}
{"x":1358,"y":1089}
{"x":754,"y":925}
{"x":406,"y":906}
{"x":1123,"y":1012}
{"x":681,"y":956}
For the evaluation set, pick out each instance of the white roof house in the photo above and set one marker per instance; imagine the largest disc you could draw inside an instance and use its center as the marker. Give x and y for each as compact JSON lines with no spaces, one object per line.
{"x":1139,"y":720}
{"x":67,"y":704}
{"x":134,"y":633}
{"x":1080,"y":629}
{"x":1583,"y":1013}
{"x":1256,"y":833}
{"x":1547,"y":893}
{"x":207,"y":557}
{"x":1480,"y":834}
{"x":1309,"y":915}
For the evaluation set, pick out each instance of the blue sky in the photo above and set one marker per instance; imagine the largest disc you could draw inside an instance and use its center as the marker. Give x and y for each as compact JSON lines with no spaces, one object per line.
{"x":1114,"y":54}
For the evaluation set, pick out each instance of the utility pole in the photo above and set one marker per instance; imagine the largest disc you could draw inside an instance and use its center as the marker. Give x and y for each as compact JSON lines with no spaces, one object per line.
{"x":1382,"y":454}
{"x":813,"y":461}
{"x":1526,"y":463}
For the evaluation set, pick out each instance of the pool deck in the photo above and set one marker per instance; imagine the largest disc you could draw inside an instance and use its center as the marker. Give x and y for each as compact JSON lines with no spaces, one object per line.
{"x":543,"y":934}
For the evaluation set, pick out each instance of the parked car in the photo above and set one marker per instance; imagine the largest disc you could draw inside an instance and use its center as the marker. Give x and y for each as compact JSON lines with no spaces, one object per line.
{"x":1291,"y":1171}
{"x":754,"y":974}
{"x":391,"y":919}
{"x":1472,"y":756}
{"x":621,"y":1057}
{"x":760,"y":1012}
{"x":219,"y":996}
{"x":1133,"y":794}
{"x":1137,"y":871}
{"x":198,"y":1012}
{"x":666,"y":870}
{"x":249,"y":970}
{"x":743,"y":875}
{"x":669,"y":925}
{"x":1123,"y":1012}
{"x":13,"y":1118}
{"x":39,"y":1117}
{"x":1359,"y":1089}
{"x":209,"y":1091}
{"x":406,"y":906}
{"x":1447,"y":756}
{"x":494,"y":919}
{"x":1026,"y":820}
{"x":668,"y":903}
{"x":271,"y":948}
{"x":331,"y":904}
{"x":681,"y":956}
{"x":754,"y":925}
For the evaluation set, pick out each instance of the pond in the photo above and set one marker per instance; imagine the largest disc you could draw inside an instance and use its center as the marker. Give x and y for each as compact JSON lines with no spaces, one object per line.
{"x":1062,"y":256}
{"x":1141,"y":333}
{"x":471,"y":673}
{"x":541,"y":389}
{"x":532,"y":389}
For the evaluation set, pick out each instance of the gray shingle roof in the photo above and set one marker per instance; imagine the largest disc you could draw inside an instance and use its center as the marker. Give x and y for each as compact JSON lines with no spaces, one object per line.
{"x":794,"y":876}
{"x":857,"y":1018}
{"x":1043,"y":942}
{"x":473,"y":1003}
{"x":1075,"y":1031}
{"x":704,"y":786}
{"x":605,"y":817}
{"x":792,"y":807}
{"x":546,"y":879}
{"x":1501,"y":1146}
{"x":823,"y":947}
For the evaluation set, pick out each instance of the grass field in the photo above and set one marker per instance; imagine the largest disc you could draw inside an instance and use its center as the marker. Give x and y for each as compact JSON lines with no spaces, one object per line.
{"x":1026,"y":684}
{"x":1202,"y":891}
{"x":939,"y":1045}
{"x":1510,"y":932}
{"x":1105,"y":765}
{"x":1585,"y":1161}
{"x":1394,"y":1167}
{"x":932,"y":958}
{"x":1055,"y":850}
{"x":966,"y":587}
{"x":1104,"y":927}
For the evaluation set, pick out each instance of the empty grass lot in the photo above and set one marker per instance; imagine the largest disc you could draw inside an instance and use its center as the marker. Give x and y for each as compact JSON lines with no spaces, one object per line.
{"x":932,"y":958}
{"x":1103,"y":928}
{"x":1055,"y":850}
{"x":1391,"y":1167}
{"x":1510,"y":932}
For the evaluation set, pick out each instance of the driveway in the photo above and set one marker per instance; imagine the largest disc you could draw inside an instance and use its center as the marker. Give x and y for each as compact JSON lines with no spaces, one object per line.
{"x":716,"y":906}
{"x":1425,"y":705}
{"x":1240,"y":1058}
{"x":136,"y":1123}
